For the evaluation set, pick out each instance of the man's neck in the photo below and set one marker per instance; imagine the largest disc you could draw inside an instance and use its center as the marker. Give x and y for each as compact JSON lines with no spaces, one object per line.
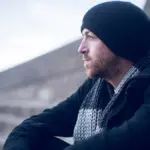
{"x":119,"y":74}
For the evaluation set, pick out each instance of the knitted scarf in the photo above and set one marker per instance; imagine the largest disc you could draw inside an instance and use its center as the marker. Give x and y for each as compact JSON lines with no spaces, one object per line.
{"x":93,"y":116}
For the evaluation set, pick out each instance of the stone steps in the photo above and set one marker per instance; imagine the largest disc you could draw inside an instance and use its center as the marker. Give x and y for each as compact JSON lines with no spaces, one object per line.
{"x":22,"y":108}
{"x":29,"y":103}
{"x":8,"y":122}
{"x":2,"y":139}
{"x":20,"y":112}
{"x":13,"y":112}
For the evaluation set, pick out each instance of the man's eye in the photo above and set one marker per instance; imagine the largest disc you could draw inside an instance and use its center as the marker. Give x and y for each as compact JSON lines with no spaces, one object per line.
{"x":91,"y":36}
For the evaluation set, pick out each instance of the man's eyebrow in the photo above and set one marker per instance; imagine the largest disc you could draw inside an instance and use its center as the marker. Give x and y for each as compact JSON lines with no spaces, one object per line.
{"x":85,"y":32}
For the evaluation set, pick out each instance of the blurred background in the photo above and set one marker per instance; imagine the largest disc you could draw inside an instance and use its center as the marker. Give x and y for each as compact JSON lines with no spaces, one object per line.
{"x":39,"y":63}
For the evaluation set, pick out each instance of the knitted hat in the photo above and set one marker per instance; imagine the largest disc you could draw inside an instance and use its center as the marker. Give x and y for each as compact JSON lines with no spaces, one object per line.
{"x":122,"y":26}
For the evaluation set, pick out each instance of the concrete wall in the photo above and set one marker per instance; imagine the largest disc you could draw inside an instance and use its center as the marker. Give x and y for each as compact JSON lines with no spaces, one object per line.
{"x":147,"y":7}
{"x":41,"y":83}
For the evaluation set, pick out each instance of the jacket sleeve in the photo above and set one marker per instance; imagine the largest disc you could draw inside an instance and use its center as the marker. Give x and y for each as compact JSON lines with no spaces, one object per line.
{"x":132,"y":134}
{"x":58,"y":121}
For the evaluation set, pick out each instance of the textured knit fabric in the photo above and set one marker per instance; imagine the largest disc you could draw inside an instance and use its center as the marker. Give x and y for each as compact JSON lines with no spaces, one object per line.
{"x":92,"y":119}
{"x":122,"y":26}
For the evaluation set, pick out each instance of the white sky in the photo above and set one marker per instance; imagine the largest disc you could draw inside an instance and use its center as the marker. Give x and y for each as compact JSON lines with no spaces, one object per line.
{"x":29,"y":28}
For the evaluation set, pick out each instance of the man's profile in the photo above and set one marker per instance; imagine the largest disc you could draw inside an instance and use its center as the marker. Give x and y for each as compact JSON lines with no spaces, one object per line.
{"x":111,"y":110}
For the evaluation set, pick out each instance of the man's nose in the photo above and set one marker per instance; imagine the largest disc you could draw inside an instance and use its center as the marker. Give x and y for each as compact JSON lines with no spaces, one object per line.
{"x":83,"y":47}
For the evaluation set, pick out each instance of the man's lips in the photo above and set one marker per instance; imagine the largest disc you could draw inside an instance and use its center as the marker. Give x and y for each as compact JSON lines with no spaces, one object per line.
{"x":85,"y":59}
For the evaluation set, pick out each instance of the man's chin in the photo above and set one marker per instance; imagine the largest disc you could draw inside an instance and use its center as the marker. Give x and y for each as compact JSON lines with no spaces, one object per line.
{"x":91,"y":75}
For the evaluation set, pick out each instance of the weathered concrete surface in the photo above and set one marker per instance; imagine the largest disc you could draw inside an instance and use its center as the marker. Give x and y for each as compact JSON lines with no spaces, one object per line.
{"x":38,"y":84}
{"x":147,"y":7}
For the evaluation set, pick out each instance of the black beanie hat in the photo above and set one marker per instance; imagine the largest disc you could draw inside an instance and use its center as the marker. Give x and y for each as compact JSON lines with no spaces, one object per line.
{"x":122,"y":26}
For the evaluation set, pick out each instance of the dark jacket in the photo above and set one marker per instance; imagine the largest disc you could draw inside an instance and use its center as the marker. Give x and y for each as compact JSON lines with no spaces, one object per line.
{"x":128,"y":125}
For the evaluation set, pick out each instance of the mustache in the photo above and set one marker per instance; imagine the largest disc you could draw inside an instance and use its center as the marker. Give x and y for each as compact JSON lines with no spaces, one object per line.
{"x":85,"y":58}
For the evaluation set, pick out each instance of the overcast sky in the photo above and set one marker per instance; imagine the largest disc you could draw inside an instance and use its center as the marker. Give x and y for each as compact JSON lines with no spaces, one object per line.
{"x":29,"y":28}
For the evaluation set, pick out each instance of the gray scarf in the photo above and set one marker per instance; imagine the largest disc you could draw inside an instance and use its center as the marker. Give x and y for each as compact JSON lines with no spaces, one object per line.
{"x":92,"y":118}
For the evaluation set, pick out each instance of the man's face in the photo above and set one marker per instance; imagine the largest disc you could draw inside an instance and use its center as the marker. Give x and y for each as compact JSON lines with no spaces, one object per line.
{"x":98,"y":59}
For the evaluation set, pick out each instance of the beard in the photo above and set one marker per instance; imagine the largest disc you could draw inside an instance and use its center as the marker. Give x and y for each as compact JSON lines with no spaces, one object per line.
{"x":93,"y":70}
{"x":101,"y":68}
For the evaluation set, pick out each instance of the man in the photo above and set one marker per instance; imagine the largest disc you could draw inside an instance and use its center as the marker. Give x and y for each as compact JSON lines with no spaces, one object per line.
{"x":111,"y":110}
